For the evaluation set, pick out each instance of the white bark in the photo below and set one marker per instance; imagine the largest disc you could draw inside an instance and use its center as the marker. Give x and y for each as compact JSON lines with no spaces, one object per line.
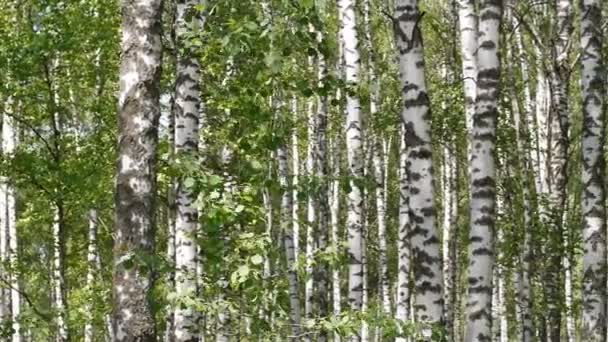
{"x":335,"y":230}
{"x":380,"y":171}
{"x":354,"y":137}
{"x":323,"y":203}
{"x":187,"y":106}
{"x":483,"y":176}
{"x":295,"y":159}
{"x":311,"y":215}
{"x":403,"y":244}
{"x":286,"y":228}
{"x":593,"y":174}
{"x":450,"y":238}
{"x":9,"y":142}
{"x":428,"y":274}
{"x":468,"y":45}
{"x":92,"y":260}
{"x":139,"y":111}
{"x":59,"y":304}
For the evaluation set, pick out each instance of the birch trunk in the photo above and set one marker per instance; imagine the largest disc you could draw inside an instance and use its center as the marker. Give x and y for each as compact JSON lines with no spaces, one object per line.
{"x":322,"y":169}
{"x":5,"y":299}
{"x":58,"y":277}
{"x":378,"y":161}
{"x":403,"y":244}
{"x":335,"y":230}
{"x":9,"y":143}
{"x":416,"y":116}
{"x":367,"y":147}
{"x":558,"y":161}
{"x":468,"y":44}
{"x":593,"y":174}
{"x":295,"y":159}
{"x":483,"y":176}
{"x":92,"y":260}
{"x":187,"y":109}
{"x":139,"y":112}
{"x":286,"y":228}
{"x":311,"y":217}
{"x":170,"y":319}
{"x":354,"y":152}
{"x":450,"y":239}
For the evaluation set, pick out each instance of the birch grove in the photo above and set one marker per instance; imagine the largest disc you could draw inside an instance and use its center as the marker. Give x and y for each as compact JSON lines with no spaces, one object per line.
{"x":315,"y":170}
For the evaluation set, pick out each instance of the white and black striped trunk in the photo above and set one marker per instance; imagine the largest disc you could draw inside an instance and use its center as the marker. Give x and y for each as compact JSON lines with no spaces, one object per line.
{"x":483,"y":176}
{"x":59,"y":291}
{"x":187,"y":111}
{"x":593,"y":174}
{"x":416,"y":117}
{"x":467,"y":18}
{"x":403,"y":242}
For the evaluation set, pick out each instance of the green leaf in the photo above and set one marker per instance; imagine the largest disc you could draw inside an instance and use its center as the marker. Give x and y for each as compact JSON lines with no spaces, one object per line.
{"x":257,"y":259}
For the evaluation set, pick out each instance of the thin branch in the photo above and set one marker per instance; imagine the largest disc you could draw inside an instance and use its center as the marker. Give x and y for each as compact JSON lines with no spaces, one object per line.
{"x":44,"y":316}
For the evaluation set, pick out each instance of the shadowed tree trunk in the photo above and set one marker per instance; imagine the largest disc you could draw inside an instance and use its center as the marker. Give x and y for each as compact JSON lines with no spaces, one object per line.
{"x":593,"y":174}
{"x":139,"y":111}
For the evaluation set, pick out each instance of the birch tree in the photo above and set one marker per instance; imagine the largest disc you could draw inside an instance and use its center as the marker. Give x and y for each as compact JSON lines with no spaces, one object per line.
{"x":416,"y":116}
{"x":403,"y":241}
{"x":593,"y":174}
{"x":483,"y":176}
{"x":139,"y":111}
{"x":9,"y":140}
{"x":187,"y":109}
{"x":468,"y":44}
{"x":354,"y":153}
{"x":379,"y":171}
{"x":286,"y":230}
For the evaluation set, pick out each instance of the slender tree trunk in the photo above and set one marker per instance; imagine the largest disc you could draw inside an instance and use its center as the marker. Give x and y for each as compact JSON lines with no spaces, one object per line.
{"x":593,"y":174}
{"x":295,"y":159}
{"x":335,"y":230}
{"x":9,"y":142}
{"x":403,"y":244}
{"x":336,"y":159}
{"x":286,"y":228}
{"x":5,"y":300}
{"x":558,"y":162}
{"x":322,"y":169}
{"x":379,"y":173}
{"x":542,"y":131}
{"x":59,"y":277}
{"x":354,"y":152}
{"x":416,"y":114}
{"x":525,"y":151}
{"x":368,"y":148}
{"x":483,"y":176}
{"x":311,"y":214}
{"x":170,"y":319}
{"x":449,"y":243}
{"x":187,"y":109}
{"x":92,"y":257}
{"x":139,"y":112}
{"x":498,"y":293}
